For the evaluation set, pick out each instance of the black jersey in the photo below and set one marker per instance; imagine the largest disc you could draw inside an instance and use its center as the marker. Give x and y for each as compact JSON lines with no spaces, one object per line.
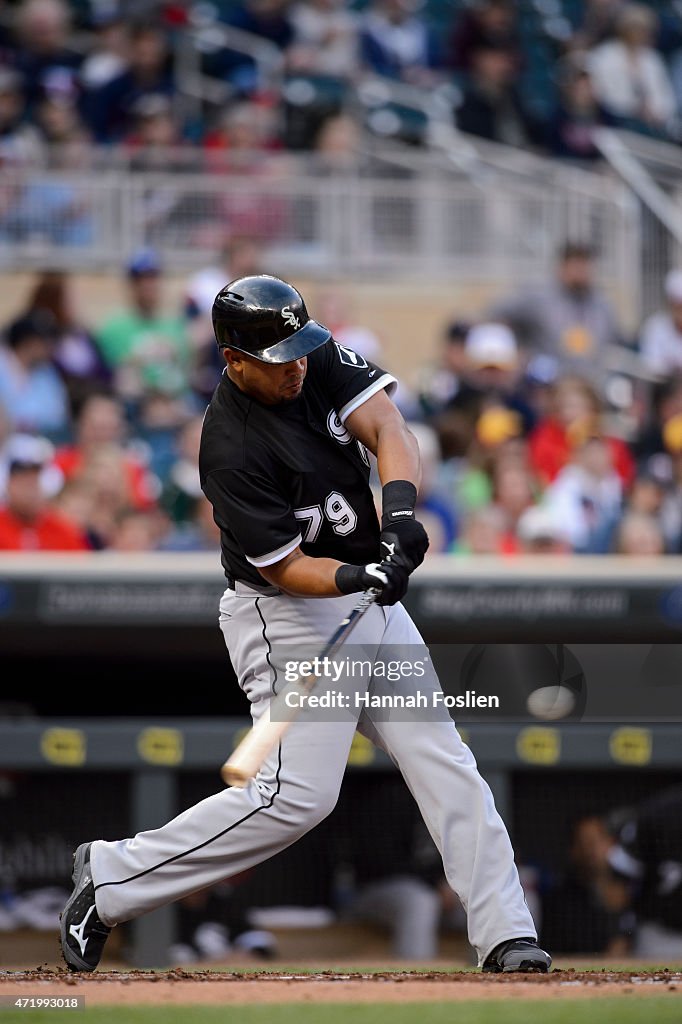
{"x":282,"y":475}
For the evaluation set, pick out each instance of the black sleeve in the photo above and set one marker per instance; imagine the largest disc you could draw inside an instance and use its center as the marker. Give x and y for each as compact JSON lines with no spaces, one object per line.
{"x":259,"y":517}
{"x":350,"y":380}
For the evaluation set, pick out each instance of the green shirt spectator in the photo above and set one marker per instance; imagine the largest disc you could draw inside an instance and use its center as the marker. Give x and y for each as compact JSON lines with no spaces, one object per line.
{"x":147,"y":349}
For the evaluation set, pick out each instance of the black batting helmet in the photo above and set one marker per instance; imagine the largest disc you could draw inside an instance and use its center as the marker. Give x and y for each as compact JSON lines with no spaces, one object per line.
{"x":266,"y":318}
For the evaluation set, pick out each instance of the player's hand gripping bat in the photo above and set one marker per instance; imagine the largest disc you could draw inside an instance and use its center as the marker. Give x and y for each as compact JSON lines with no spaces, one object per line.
{"x":244,"y":763}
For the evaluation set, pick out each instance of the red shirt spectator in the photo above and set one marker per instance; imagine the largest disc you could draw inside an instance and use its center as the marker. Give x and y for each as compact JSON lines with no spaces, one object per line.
{"x":26,"y":524}
{"x":101,"y":425}
{"x":551,"y":447}
{"x":575,"y":414}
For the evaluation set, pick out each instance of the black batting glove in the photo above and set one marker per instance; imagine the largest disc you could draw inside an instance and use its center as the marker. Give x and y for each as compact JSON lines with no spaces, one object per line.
{"x":403,"y":538}
{"x":389,"y":578}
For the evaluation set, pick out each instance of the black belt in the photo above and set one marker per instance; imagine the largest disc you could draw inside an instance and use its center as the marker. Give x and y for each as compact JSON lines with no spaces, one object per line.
{"x":266,"y":590}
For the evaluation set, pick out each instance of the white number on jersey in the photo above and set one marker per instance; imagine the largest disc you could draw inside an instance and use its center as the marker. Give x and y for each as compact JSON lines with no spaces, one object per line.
{"x":313,"y":513}
{"x":337,"y":510}
{"x":340,"y":514}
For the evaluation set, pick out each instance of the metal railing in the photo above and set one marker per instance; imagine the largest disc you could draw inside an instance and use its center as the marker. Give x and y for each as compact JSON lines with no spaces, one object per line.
{"x":652,"y":170}
{"x":316,"y":219}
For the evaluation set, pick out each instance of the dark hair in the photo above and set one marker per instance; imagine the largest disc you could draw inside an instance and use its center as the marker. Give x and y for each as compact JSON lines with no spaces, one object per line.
{"x":40,"y":323}
{"x":573,"y":249}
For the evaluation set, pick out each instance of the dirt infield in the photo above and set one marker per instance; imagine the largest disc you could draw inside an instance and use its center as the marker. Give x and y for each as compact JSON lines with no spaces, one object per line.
{"x":259,"y":987}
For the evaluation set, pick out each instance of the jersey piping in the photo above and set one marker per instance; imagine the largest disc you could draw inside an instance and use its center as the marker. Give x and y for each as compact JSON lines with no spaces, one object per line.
{"x":275,"y":556}
{"x":385,"y":381}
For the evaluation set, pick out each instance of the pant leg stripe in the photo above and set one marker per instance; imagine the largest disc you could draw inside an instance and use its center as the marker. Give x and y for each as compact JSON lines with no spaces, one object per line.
{"x":241,"y":821}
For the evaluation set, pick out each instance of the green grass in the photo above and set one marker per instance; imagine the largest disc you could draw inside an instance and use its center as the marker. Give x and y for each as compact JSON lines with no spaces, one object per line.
{"x":619,"y":1010}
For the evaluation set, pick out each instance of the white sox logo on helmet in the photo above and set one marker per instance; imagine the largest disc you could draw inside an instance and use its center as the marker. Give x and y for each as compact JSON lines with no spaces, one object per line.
{"x":291,"y":318}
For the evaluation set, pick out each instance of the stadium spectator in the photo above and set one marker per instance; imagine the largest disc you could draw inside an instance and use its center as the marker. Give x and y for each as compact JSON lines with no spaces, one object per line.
{"x":46,"y":209}
{"x":596,"y":23}
{"x":45,"y":58}
{"x":483,"y":532}
{"x":30,"y":448}
{"x":667,"y":470}
{"x":575,"y":411}
{"x":538,"y":533}
{"x":491,"y":105}
{"x":133,"y":531}
{"x":321,"y":62}
{"x":586,"y":497}
{"x":19,"y":141}
{"x":101,"y":427}
{"x":266,"y":18}
{"x":438,"y":383}
{"x":630,"y":77}
{"x":67,"y":149}
{"x":75,"y":354}
{"x":27,"y":523}
{"x":104,"y":474}
{"x":661,"y":334}
{"x":261,"y":213}
{"x":147,"y":349}
{"x":336,"y":145}
{"x":243,"y":138}
{"x":661,"y":435}
{"x":31,"y":390}
{"x":197,"y":532}
{"x":513,"y":494}
{"x":489,"y":380}
{"x":484,"y":23}
{"x":639,"y":534}
{"x":109,"y":107}
{"x":325,"y":40}
{"x":107,"y":58}
{"x":568,"y":317}
{"x":269,"y":19}
{"x":76,"y":501}
{"x":182,"y":488}
{"x":578,"y":114}
{"x":396,"y":42}
{"x":155,"y":140}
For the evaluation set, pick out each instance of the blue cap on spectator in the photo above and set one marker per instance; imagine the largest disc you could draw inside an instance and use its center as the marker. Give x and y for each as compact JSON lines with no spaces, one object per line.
{"x":144,"y":261}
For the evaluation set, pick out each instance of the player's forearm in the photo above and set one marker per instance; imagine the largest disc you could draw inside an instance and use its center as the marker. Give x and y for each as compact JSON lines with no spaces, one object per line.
{"x":304,"y":576}
{"x":397,"y":453}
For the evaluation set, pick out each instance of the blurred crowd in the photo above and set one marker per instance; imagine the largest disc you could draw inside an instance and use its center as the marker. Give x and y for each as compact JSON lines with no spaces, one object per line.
{"x":539,"y":75}
{"x":543,"y":427}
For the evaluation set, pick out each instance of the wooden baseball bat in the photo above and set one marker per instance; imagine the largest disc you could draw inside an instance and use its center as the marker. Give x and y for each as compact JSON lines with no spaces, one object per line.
{"x":247,"y":758}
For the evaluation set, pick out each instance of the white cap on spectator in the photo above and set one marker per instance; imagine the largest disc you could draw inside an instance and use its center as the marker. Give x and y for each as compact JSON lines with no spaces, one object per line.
{"x":673,"y":285}
{"x":491,"y":345}
{"x":538,"y":523}
{"x":28,"y":450}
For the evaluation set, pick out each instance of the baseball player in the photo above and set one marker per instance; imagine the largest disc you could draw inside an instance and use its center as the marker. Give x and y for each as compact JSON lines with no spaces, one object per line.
{"x":284,"y":463}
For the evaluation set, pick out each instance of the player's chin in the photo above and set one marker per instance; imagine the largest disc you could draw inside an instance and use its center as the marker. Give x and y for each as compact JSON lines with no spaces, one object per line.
{"x":291,"y":391}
